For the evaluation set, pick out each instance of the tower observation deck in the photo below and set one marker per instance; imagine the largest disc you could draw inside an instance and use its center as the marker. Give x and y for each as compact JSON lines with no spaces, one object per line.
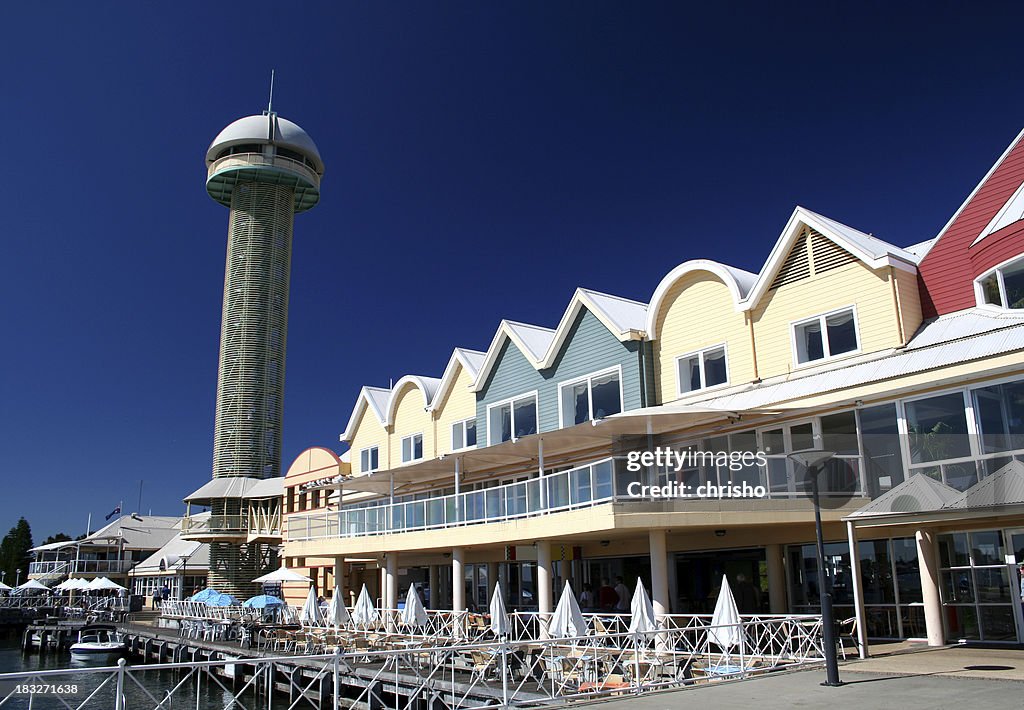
{"x":265,"y":169}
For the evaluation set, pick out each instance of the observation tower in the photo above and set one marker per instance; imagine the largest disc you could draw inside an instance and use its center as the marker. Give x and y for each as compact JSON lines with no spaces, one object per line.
{"x":265,"y":169}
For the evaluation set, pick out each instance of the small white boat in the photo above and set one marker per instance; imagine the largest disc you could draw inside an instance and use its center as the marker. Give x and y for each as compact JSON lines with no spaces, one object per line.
{"x":98,"y":642}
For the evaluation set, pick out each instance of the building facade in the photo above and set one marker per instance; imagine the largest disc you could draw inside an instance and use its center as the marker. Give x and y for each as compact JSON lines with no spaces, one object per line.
{"x":520,"y":464}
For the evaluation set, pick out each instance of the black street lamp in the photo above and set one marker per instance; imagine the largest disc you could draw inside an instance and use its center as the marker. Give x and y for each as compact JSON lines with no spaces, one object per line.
{"x":814,"y":462}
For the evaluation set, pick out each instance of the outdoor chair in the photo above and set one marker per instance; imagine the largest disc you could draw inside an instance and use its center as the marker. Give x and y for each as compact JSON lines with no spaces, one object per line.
{"x":847,"y":629}
{"x":483,"y":664}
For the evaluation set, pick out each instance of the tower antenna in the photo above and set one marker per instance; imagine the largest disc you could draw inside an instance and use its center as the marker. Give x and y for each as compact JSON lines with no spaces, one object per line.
{"x":270,"y":104}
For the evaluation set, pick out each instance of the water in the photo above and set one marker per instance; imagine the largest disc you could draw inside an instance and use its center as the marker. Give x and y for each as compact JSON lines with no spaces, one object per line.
{"x":153,"y":683}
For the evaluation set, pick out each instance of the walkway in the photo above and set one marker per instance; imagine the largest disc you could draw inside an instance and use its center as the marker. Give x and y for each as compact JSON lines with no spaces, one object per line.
{"x":927,"y":679}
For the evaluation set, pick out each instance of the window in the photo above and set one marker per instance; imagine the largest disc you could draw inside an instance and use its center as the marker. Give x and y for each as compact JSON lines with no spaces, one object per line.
{"x":513,"y":419}
{"x":703,"y":369}
{"x":1003,"y":286}
{"x":464,"y":434}
{"x":825,"y":336}
{"x":412,"y":448}
{"x":368,"y":459}
{"x":937,"y":428}
{"x":593,"y":397}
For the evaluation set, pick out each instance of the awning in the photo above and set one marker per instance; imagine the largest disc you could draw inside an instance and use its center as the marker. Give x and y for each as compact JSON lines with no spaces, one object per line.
{"x":599,"y":435}
{"x":237,"y":487}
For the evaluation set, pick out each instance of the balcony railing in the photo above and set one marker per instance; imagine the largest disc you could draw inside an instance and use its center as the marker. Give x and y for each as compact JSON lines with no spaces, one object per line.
{"x":603,"y":481}
{"x":234,"y":525}
{"x":72,"y":567}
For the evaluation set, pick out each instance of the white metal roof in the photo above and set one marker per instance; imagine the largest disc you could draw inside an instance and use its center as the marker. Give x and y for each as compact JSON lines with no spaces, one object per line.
{"x":867,"y":243}
{"x":138,"y":532}
{"x":624,"y":313}
{"x":534,"y":338}
{"x":1004,"y":487}
{"x":238,"y":487}
{"x":964,"y":324}
{"x":917,"y":493}
{"x":195,"y":554}
{"x":266,"y":128}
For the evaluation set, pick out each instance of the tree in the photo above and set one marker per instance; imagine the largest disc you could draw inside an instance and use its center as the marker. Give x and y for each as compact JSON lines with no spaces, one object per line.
{"x":14,"y":552}
{"x":59,"y":537}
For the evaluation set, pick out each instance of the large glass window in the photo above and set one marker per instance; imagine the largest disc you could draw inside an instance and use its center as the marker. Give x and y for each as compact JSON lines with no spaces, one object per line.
{"x":703,"y":369}
{"x":938,"y":428}
{"x":976,"y":590}
{"x":825,"y":336}
{"x":368,"y":459}
{"x":1003,"y":287}
{"x":412,"y":448}
{"x":1000,"y":413}
{"x":592,"y":397}
{"x":464,"y":434}
{"x":880,"y":436}
{"x":516,"y":418}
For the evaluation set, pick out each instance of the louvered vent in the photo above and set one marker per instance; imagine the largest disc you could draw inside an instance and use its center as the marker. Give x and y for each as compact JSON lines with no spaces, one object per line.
{"x":797,"y":265}
{"x":827,"y":254}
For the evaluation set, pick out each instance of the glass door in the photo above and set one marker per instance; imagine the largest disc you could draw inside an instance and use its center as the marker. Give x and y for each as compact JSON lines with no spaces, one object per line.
{"x":1016,"y":552}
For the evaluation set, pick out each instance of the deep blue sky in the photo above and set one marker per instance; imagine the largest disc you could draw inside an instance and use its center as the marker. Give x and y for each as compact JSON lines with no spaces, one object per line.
{"x":483,"y":160}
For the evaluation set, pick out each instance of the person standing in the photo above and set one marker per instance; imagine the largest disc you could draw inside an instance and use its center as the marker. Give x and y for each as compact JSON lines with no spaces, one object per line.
{"x":586,"y":599}
{"x":623,"y":596}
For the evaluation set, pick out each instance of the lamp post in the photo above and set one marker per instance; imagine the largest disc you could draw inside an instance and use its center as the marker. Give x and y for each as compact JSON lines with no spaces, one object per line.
{"x":814,"y":461}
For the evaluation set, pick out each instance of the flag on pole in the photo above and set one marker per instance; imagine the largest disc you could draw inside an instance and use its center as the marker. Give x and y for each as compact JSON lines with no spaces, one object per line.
{"x":115,"y":511}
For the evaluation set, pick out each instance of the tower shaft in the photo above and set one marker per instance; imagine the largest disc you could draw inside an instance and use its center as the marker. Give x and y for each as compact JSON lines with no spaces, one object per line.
{"x":254,"y":329}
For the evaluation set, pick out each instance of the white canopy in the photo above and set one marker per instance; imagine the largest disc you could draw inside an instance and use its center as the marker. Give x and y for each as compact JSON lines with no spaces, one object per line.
{"x":725,"y":629}
{"x":102,"y":584}
{"x":32,"y":585}
{"x":311,"y":614}
{"x":567,"y":621}
{"x":364,"y":613}
{"x":4,"y":587}
{"x":641,"y":611}
{"x":500,"y":625}
{"x":337,"y":612}
{"x":282,"y":575}
{"x":413,"y":614}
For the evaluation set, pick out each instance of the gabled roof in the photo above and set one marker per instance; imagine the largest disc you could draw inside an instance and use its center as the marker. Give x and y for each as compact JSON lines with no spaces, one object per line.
{"x":917,"y":493}
{"x":532,"y":341}
{"x":195,"y":554}
{"x":138,"y":532}
{"x":1004,"y":487}
{"x":624,"y":318}
{"x":427,"y":386}
{"x":869,"y":249}
{"x":376,"y":398}
{"x":977,"y":188}
{"x":738,"y":281}
{"x":468,"y":360}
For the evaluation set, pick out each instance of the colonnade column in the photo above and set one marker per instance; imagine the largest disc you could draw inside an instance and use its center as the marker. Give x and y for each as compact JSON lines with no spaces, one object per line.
{"x":858,"y":590}
{"x":927,"y":562}
{"x":492,"y":579}
{"x":659,"y":572}
{"x":776,"y":579}
{"x":391,"y":581}
{"x":339,"y":577}
{"x":543,"y":590}
{"x":458,"y":579}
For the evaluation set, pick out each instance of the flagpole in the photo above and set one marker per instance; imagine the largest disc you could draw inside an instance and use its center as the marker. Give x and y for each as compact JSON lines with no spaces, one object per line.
{"x":88,"y":526}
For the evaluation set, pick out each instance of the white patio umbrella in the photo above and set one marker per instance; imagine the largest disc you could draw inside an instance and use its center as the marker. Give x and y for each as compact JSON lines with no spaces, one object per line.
{"x":33,"y":585}
{"x":413,"y":614}
{"x":282,"y":575}
{"x":500,"y":625}
{"x":641,"y":611}
{"x":77,"y":584}
{"x":5,"y":588}
{"x":725,"y":629}
{"x":311,"y":614}
{"x":103,"y":584}
{"x":65,"y":586}
{"x":364,"y":613}
{"x":337,"y":612}
{"x":567,"y":621}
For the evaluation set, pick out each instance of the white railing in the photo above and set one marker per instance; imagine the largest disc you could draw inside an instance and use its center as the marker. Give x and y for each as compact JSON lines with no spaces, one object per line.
{"x":604,"y":481}
{"x":72,"y":567}
{"x":249,"y":160}
{"x":403,"y":672}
